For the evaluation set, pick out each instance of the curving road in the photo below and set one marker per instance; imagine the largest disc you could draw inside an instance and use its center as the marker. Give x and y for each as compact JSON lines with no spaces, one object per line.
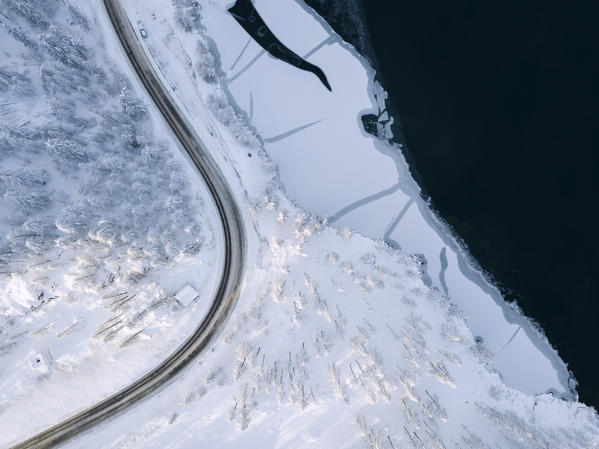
{"x":234,"y":249}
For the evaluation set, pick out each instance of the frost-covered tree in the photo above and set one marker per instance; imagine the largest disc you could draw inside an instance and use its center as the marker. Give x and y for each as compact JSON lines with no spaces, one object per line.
{"x":76,"y":17}
{"x":115,"y":82}
{"x":69,"y":118}
{"x":28,"y":198}
{"x":21,"y":176}
{"x":131,"y":137}
{"x":111,"y":163}
{"x":66,"y":149}
{"x":225,"y":113}
{"x":371,"y":438}
{"x":65,"y":49}
{"x":57,"y":82}
{"x":150,"y":155}
{"x":19,"y":82}
{"x":22,"y":37}
{"x":30,"y":11}
{"x":221,"y":108}
{"x":189,"y":14}
{"x":206,"y":65}
{"x":41,"y":226}
{"x":133,"y":107}
{"x":75,"y":221}
{"x":6,"y":253}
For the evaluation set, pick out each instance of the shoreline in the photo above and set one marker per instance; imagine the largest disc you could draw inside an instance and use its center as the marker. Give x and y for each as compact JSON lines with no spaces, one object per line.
{"x":469,"y":266}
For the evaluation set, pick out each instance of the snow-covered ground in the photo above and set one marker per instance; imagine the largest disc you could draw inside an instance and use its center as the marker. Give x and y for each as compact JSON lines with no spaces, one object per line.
{"x":102,"y":220}
{"x":338,"y":340}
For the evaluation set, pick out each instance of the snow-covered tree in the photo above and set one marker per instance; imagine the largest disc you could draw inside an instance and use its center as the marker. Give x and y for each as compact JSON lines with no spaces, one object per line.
{"x":22,"y":176}
{"x":44,"y":227}
{"x":30,"y":11}
{"x":75,"y":221}
{"x":225,"y":113}
{"x":62,"y":82}
{"x":189,"y":14}
{"x":206,"y":65}
{"x":77,"y":17}
{"x":66,"y":149}
{"x":22,"y":37}
{"x":65,"y":49}
{"x":107,"y":232}
{"x":19,"y":82}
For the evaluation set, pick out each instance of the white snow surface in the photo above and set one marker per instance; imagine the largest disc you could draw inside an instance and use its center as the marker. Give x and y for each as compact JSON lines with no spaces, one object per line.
{"x":337,"y":340}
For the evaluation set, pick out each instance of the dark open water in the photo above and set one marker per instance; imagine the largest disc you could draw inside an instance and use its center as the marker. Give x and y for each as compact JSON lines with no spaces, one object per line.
{"x":499,"y":107}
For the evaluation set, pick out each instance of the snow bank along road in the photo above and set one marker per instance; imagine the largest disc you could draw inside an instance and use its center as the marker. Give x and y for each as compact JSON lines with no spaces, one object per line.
{"x":233,"y":238}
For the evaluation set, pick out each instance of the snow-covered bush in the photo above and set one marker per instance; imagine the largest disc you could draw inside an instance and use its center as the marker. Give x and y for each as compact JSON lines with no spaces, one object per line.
{"x":221,"y":108}
{"x":225,"y":113}
{"x":206,"y":65}
{"x":30,"y":10}
{"x":189,"y":14}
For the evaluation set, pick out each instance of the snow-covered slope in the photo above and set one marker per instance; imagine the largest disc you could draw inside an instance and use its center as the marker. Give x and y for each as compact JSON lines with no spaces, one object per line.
{"x":337,"y":340}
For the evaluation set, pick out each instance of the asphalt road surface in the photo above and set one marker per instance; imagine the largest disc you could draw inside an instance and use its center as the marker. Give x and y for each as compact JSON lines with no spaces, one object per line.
{"x":234,"y":249}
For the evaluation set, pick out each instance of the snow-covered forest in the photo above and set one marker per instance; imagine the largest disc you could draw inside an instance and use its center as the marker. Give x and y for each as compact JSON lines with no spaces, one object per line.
{"x":100,"y":216}
{"x":79,"y":161}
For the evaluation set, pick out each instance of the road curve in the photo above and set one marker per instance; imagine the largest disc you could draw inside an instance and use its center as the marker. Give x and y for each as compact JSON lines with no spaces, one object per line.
{"x":234,"y":248}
